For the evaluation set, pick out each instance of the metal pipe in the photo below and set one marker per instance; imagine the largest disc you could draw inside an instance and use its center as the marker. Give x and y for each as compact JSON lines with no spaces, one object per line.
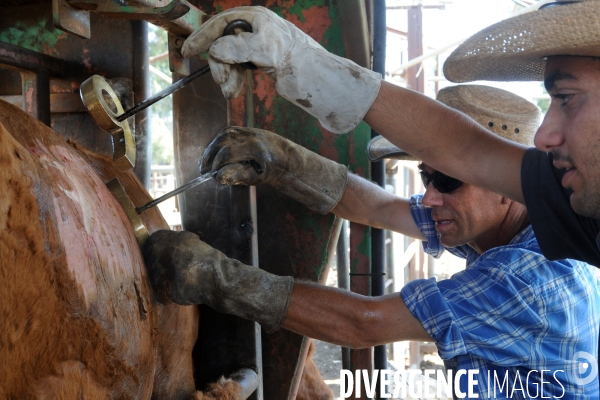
{"x":247,"y":380}
{"x":378,"y":177}
{"x":29,"y":60}
{"x":343,"y":273}
{"x":355,"y":31}
{"x":343,"y":258}
{"x":141,"y":84}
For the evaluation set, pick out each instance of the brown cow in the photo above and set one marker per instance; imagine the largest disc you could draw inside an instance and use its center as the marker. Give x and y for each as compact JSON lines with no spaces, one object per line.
{"x":77,"y":316}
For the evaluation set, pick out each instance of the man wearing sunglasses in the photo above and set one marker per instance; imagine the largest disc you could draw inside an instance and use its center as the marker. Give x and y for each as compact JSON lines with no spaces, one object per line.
{"x":503,"y":315}
{"x":558,"y":44}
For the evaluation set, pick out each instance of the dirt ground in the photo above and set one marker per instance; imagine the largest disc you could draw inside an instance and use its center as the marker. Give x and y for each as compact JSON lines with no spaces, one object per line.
{"x":328,"y":358}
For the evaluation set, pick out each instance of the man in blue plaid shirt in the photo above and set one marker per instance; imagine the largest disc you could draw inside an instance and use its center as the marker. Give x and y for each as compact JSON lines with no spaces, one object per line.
{"x":510,"y":312}
{"x":524,"y":323}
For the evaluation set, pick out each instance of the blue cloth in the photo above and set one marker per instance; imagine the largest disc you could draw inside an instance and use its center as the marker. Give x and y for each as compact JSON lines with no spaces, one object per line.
{"x":510,"y":312}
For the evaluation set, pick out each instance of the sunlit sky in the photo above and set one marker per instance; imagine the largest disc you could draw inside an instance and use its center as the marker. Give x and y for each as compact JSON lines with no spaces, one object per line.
{"x":459,"y":20}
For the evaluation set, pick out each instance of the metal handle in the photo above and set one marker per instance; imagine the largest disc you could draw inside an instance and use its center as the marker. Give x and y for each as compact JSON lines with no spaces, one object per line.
{"x":246,"y":27}
{"x":230,"y":29}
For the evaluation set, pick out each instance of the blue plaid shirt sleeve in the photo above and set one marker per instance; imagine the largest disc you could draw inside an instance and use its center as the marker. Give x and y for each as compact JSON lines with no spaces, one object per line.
{"x":490,"y":315}
{"x":432,"y":245}
{"x":508,"y":305}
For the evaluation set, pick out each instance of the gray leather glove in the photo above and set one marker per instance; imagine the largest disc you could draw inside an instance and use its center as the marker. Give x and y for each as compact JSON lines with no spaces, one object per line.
{"x":249,"y":156}
{"x":185,"y":270}
{"x":333,"y":89}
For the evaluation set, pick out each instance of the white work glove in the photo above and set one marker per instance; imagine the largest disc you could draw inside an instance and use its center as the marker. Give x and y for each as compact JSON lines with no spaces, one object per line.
{"x":333,"y":89}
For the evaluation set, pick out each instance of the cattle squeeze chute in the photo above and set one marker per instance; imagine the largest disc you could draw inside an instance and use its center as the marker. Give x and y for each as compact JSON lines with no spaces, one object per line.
{"x":79,"y":319}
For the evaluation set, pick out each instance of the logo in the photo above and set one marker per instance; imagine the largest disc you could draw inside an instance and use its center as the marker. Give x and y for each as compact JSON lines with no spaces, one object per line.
{"x":586,"y":369}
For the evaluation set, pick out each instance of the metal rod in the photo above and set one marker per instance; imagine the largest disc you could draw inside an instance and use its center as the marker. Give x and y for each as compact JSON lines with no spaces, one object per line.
{"x":183,"y":188}
{"x":162,"y":94}
{"x":230,"y":29}
{"x":141,"y":85}
{"x":378,"y":176}
{"x":247,"y":380}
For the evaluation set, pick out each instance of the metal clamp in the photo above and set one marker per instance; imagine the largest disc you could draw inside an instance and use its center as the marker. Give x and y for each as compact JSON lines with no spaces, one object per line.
{"x":104,"y":106}
{"x":139,"y":229}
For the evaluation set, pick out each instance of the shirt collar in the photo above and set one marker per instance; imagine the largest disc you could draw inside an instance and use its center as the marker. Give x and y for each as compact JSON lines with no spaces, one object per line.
{"x":523,"y":236}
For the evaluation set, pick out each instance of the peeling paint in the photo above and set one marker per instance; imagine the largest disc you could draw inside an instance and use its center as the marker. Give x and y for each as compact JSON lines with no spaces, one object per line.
{"x":314,"y":21}
{"x":223,"y":5}
{"x":37,"y":37}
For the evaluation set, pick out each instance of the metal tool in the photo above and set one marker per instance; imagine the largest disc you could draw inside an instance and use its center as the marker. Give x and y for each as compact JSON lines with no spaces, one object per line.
{"x":230,"y":29}
{"x":106,"y":109}
{"x":139,"y":229}
{"x":183,"y":188}
{"x":133,"y":213}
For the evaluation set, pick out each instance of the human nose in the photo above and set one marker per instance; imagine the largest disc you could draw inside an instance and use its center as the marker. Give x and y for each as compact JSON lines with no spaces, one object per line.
{"x":432,"y":197}
{"x":548,"y":135}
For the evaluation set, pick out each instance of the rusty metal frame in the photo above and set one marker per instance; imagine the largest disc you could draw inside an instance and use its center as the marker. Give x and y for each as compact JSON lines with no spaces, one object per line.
{"x":230,"y":218}
{"x":35,"y":69}
{"x":178,"y":17}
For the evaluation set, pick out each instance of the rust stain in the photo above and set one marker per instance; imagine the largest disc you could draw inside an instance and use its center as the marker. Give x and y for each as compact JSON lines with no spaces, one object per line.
{"x":316,"y":22}
{"x":264,"y":90}
{"x":238,"y":110}
{"x":327,"y":146}
{"x":227,"y":4}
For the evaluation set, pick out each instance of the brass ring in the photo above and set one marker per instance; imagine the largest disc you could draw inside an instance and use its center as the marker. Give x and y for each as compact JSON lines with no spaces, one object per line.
{"x":93,"y":92}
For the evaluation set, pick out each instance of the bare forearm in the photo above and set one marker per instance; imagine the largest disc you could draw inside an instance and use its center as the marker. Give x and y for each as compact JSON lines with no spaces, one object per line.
{"x":350,"y":320}
{"x":447,"y":140}
{"x":368,"y":204}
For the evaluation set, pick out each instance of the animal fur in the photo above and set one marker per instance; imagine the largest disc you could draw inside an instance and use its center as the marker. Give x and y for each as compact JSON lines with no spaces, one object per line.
{"x":77,"y":317}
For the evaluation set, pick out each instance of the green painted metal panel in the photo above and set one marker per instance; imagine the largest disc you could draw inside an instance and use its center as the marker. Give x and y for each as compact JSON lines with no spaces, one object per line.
{"x":292,"y":239}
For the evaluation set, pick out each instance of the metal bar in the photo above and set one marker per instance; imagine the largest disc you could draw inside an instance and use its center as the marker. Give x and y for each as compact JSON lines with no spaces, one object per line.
{"x":343,"y":259}
{"x":199,"y":180}
{"x":141,"y":84}
{"x":24,"y":59}
{"x":247,"y":380}
{"x":378,"y":177}
{"x":353,"y":18}
{"x":178,"y":17}
{"x":343,"y":273}
{"x":36,"y":95}
{"x":162,"y":94}
{"x":414,"y":79}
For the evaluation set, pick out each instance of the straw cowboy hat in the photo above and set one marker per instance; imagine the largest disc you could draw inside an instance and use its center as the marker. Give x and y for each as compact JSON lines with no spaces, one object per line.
{"x":501,"y":112}
{"x":516,"y":49}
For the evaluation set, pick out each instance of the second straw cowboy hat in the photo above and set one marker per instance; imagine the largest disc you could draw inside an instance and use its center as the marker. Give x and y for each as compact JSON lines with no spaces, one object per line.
{"x":503,"y":113}
{"x":516,"y":49}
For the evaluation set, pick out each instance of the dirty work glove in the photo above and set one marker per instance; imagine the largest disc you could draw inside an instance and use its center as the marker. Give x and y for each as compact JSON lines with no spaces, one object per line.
{"x":334,"y":89}
{"x":185,"y":270}
{"x":249,"y":156}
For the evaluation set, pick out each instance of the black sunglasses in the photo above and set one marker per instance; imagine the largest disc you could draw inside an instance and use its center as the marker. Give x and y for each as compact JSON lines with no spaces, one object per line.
{"x":442,"y":183}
